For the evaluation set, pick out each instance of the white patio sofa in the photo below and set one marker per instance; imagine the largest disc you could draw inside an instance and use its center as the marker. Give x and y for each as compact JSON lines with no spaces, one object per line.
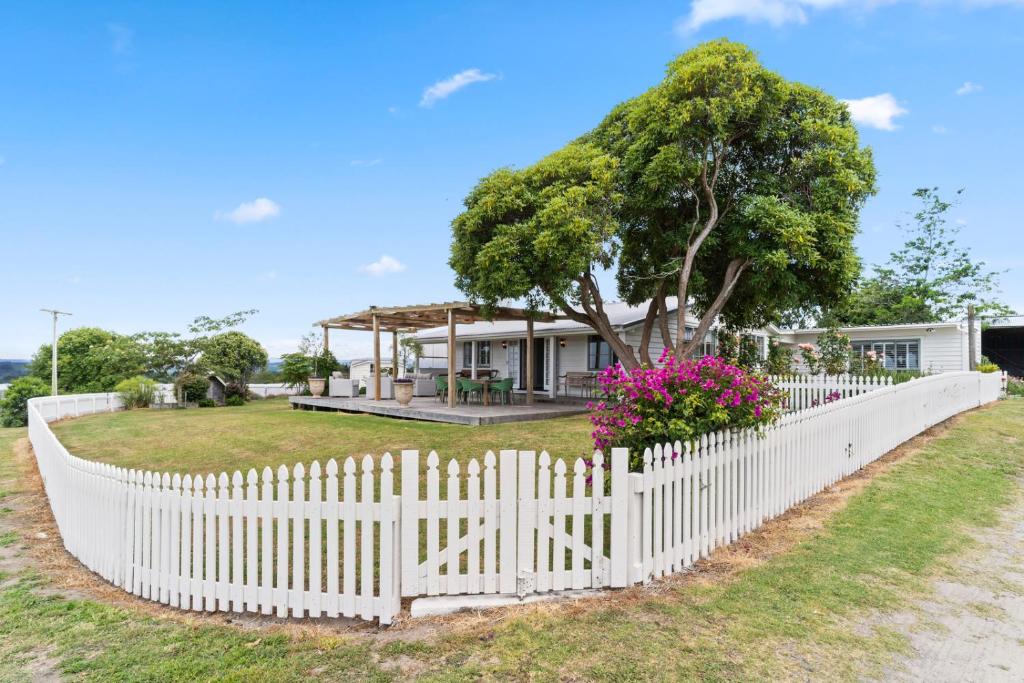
{"x":423,"y":385}
{"x":342,"y":386}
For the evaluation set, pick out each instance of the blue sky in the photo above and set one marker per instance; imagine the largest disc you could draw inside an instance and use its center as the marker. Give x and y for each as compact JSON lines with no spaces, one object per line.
{"x":165,"y":161}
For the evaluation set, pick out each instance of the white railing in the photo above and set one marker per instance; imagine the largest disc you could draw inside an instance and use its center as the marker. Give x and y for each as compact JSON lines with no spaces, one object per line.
{"x":329,"y":542}
{"x":808,"y":391}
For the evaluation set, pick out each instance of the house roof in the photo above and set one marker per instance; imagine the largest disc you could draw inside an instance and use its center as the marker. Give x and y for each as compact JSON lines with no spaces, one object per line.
{"x":619,"y":315}
{"x":873,"y":328}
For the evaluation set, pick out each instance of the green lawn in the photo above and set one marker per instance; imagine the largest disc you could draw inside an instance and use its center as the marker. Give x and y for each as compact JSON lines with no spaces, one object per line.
{"x":270,"y":433}
{"x":788,"y":618}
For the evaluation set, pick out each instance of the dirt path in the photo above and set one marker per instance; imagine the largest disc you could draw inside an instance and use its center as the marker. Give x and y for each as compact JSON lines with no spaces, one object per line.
{"x":972,"y":628}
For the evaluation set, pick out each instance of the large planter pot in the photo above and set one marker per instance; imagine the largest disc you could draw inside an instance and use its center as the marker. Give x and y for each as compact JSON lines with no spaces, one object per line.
{"x":316,"y":386}
{"x":403,"y":392}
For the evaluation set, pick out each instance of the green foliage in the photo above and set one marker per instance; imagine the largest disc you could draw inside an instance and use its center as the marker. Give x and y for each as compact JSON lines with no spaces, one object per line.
{"x":234,"y":356}
{"x":780,"y":359}
{"x":930,"y":278}
{"x":1015,"y":386}
{"x":195,"y":386}
{"x":811,"y":358}
{"x":752,"y":182}
{"x":409,"y":350}
{"x":136,"y":392}
{"x":748,"y":356}
{"x":297,"y":368}
{"x":987,"y":367}
{"x":728,"y":345}
{"x":206,"y":403}
{"x":834,"y":351}
{"x":234,"y":401}
{"x":90,"y":359}
{"x":14,"y":404}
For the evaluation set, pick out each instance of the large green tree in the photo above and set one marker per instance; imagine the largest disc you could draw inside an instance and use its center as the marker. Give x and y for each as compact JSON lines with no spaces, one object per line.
{"x":931,"y":277}
{"x":90,"y":359}
{"x":741,"y":193}
{"x":725,"y":185}
{"x":235,"y":356}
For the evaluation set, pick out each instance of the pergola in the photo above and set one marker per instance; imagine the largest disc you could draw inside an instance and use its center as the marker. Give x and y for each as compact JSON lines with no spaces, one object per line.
{"x":399,"y":319}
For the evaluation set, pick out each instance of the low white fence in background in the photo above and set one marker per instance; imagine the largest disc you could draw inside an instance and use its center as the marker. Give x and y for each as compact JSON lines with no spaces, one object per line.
{"x":808,"y":391}
{"x":342,"y":541}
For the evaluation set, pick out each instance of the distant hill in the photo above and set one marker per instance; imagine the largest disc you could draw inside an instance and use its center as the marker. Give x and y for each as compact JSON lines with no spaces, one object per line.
{"x":12,"y":368}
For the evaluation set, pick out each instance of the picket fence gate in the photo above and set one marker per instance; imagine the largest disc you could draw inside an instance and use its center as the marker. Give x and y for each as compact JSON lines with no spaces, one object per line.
{"x":340,"y":540}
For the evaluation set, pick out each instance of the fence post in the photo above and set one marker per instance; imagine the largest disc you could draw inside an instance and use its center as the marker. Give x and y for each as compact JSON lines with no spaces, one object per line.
{"x":527,"y":504}
{"x":507,"y":522}
{"x":635,"y":534}
{"x":620,"y":518}
{"x":409,"y":520}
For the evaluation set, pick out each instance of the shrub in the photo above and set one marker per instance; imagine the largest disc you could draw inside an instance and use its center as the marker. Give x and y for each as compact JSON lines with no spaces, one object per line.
{"x":780,"y":359}
{"x":812,"y":359}
{"x":679,"y":401}
{"x":14,"y":404}
{"x":195,"y":387}
{"x":136,"y":392}
{"x":234,"y":401}
{"x":1015,"y":386}
{"x":987,"y":367}
{"x":207,"y":403}
{"x":748,"y":356}
{"x":834,"y":351}
{"x":233,"y":389}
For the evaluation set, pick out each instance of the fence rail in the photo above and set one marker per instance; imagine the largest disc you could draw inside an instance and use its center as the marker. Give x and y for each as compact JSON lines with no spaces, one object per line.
{"x":808,"y":391}
{"x":341,"y":540}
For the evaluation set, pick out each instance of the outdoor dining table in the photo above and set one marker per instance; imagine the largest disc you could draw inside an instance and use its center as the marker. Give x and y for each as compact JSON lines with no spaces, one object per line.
{"x":486,"y":381}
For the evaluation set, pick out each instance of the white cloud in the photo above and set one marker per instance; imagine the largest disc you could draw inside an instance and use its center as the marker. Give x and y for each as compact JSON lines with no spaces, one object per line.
{"x":269,"y":275}
{"x":392,"y":110}
{"x":257,"y":210}
{"x":779,"y":12}
{"x":365,"y":162}
{"x":121,"y":38}
{"x":383,"y":266}
{"x":967,"y":88}
{"x":877,"y":111}
{"x":447,"y":86}
{"x":939,"y":129}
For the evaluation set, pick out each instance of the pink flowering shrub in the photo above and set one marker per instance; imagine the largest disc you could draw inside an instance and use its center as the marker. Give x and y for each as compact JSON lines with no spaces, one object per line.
{"x":679,"y":401}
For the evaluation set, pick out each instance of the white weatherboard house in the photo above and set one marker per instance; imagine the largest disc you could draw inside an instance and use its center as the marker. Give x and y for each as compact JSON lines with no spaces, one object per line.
{"x":362,"y":369}
{"x":565,"y":350}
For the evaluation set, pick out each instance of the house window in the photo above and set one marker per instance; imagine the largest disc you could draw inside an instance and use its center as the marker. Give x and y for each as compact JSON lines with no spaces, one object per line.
{"x":599,"y":353}
{"x":483,"y":354}
{"x":891,"y":353}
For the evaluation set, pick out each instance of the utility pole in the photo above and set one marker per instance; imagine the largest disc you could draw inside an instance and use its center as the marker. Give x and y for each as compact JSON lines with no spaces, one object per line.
{"x":53,"y":348}
{"x":972,"y":339}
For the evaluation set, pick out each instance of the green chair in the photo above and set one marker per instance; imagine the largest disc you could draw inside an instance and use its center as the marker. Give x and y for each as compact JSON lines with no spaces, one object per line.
{"x":468,"y":387}
{"x":441,"y":387}
{"x":503,"y":389}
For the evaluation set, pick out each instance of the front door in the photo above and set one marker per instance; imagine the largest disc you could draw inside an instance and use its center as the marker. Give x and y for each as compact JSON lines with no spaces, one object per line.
{"x":539,"y":363}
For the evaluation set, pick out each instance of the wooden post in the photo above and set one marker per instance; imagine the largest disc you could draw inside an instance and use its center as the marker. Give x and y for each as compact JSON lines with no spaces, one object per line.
{"x":327,"y":343}
{"x":529,"y":361}
{"x":394,"y":355}
{"x":376,"y":357}
{"x":451,"y":358}
{"x":472,"y":359}
{"x":972,"y":339}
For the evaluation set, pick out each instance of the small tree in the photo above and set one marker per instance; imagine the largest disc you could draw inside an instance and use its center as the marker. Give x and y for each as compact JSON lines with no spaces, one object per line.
{"x":312,"y":347}
{"x":409,"y":351}
{"x":812,"y":359}
{"x":235,"y":356}
{"x":749,"y":355}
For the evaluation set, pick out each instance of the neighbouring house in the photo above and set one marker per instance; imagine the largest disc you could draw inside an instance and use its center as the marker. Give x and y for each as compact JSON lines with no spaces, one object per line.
{"x":567,"y":353}
{"x":924,"y":347}
{"x":362,"y":369}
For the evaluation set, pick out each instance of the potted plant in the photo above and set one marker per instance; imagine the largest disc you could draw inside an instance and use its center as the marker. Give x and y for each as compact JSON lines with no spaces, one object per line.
{"x":312,"y":346}
{"x":403,"y":390}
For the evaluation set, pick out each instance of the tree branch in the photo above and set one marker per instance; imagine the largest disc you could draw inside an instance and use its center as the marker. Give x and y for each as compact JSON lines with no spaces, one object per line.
{"x":732,"y":276}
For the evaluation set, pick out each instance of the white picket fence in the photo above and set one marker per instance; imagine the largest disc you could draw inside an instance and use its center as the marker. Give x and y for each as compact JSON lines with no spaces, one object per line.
{"x":808,"y":391}
{"x":342,"y":541}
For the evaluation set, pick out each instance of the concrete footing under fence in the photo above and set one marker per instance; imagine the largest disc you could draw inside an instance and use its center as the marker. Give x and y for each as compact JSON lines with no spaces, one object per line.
{"x":447,"y":604}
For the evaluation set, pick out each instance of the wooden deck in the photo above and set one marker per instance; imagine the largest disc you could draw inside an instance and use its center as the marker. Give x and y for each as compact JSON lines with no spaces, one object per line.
{"x":431,"y":410}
